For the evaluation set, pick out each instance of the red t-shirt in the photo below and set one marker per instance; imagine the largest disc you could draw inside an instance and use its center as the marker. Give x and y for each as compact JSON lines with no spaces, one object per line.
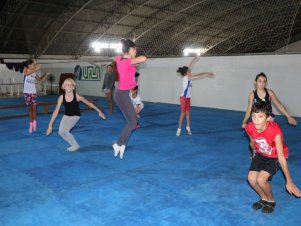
{"x":265,"y":141}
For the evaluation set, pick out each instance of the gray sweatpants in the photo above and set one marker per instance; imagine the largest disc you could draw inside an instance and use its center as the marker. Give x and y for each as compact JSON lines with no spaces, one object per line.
{"x":67,"y":123}
{"x":122,"y":99}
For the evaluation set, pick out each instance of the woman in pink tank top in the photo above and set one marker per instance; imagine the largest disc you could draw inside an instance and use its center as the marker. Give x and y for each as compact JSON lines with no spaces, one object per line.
{"x":126,"y":67}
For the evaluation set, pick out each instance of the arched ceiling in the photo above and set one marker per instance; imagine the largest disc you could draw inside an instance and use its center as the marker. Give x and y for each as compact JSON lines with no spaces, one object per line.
{"x":160,"y":28}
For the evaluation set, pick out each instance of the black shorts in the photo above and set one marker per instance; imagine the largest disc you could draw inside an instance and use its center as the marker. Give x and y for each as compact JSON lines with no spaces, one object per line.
{"x":260,"y":162}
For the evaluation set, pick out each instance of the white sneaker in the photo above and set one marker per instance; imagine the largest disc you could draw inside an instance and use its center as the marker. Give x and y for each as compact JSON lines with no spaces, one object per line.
{"x":73,"y":148}
{"x":178,"y":132}
{"x":122,"y":149}
{"x":116,"y":148}
{"x":188,"y":130}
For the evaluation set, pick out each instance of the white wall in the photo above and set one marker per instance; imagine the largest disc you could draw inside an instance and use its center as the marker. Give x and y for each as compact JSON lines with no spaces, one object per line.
{"x":92,"y":88}
{"x":84,"y":87}
{"x":7,"y":74}
{"x":229,"y":89}
{"x":7,"y":77}
{"x":294,"y":47}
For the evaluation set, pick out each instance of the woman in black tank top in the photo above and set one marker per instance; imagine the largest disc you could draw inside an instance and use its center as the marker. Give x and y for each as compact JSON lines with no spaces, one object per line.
{"x":70,"y":99}
{"x":72,"y":107}
{"x":263,"y":94}
{"x":266,"y":99}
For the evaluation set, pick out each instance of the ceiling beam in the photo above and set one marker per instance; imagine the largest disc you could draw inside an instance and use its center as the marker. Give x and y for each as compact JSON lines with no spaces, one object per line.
{"x":173,"y":14}
{"x":9,"y":13}
{"x":74,"y":8}
{"x":13,"y":20}
{"x":274,"y":18}
{"x":103,"y":28}
{"x":172,"y":36}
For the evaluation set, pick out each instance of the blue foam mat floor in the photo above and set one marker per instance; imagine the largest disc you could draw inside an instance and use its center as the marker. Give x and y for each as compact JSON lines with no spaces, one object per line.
{"x":162,"y":180}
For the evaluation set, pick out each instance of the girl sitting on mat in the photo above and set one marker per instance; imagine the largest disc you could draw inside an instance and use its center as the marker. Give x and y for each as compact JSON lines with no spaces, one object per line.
{"x":70,"y":99}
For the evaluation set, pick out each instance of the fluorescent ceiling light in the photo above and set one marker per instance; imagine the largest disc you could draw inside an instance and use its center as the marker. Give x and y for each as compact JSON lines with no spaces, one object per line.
{"x":98,"y":46}
{"x":197,"y":51}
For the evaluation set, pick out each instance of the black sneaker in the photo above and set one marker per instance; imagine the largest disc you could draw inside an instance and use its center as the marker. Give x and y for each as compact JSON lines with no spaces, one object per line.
{"x":259,"y":204}
{"x":269,"y":207}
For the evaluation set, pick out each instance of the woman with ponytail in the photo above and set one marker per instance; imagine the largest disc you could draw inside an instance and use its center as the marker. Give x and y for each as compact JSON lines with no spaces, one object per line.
{"x":30,"y":93}
{"x":126,"y":67}
{"x":186,"y":93}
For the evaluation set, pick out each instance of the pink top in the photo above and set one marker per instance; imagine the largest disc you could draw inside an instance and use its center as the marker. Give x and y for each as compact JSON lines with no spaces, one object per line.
{"x":126,"y":72}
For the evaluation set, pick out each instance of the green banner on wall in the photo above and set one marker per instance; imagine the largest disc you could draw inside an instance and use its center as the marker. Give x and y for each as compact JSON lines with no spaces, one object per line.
{"x":88,"y":73}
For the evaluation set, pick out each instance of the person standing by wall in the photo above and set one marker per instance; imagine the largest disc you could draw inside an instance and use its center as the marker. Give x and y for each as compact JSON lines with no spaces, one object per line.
{"x":108,"y":86}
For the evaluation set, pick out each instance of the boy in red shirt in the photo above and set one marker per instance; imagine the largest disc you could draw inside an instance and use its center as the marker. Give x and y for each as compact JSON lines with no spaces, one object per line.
{"x":269,"y":153}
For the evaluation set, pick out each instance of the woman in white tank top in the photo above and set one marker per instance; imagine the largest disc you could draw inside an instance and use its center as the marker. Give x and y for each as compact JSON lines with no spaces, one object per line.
{"x":188,"y":76}
{"x":30,"y":93}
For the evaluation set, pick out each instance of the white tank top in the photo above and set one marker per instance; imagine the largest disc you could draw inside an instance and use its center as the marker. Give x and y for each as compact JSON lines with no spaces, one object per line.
{"x":30,"y":83}
{"x":187,"y":85}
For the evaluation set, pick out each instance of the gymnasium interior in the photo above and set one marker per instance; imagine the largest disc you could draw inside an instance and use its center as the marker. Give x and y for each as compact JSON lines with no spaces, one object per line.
{"x":163,"y":179}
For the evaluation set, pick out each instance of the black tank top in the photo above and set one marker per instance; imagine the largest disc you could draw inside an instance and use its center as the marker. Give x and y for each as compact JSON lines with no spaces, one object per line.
{"x":72,"y":107}
{"x":266,"y":99}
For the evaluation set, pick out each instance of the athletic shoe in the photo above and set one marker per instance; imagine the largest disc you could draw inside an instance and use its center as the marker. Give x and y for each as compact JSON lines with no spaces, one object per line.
{"x":34,"y":125}
{"x":122,"y":149}
{"x":188,"y":130}
{"x":259,"y":204}
{"x":73,"y":148}
{"x":116,"y":148}
{"x":269,"y":207}
{"x":178,"y":132}
{"x":30,"y":127}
